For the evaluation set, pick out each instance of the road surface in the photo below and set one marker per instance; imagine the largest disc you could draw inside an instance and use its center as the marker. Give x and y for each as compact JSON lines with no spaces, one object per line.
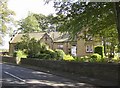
{"x":20,"y":76}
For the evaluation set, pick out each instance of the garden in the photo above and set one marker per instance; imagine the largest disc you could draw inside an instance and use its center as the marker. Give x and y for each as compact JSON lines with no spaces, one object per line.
{"x":31,"y":48}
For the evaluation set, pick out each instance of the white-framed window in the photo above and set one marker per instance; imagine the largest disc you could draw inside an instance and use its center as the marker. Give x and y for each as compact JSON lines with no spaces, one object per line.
{"x":74,"y":50}
{"x":89,"y":48}
{"x":60,"y":46}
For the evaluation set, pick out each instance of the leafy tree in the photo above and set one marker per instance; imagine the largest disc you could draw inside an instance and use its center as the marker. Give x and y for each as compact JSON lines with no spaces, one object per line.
{"x":6,"y":16}
{"x":29,"y":24}
{"x":117,"y":10}
{"x":24,"y":44}
{"x":46,"y":23}
{"x":31,"y":47}
{"x":94,"y":18}
{"x":42,"y":20}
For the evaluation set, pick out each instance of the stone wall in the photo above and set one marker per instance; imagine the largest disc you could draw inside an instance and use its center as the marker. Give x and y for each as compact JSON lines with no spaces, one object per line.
{"x":9,"y":59}
{"x":103,"y":71}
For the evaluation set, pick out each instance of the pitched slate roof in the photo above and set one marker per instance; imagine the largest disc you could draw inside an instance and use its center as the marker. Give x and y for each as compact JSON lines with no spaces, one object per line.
{"x":17,"y":37}
{"x":56,"y":36}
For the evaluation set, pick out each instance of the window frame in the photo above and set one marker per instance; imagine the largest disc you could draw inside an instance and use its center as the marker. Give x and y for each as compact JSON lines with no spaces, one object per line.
{"x":89,"y":48}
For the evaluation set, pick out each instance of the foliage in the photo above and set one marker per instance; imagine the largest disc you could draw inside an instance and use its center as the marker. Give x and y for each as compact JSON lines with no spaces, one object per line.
{"x":37,"y":22}
{"x":59,"y":54}
{"x":68,"y":58}
{"x":99,"y":50}
{"x":79,"y":15}
{"x":35,"y":48}
{"x":117,"y":11}
{"x":42,"y":20}
{"x":23,"y":45}
{"x":94,"y":18}
{"x":91,"y":58}
{"x":43,"y":56}
{"x":82,"y":59}
{"x":21,"y":54}
{"x":29,"y":24}
{"x":115,"y":59}
{"x":15,"y":54}
{"x":51,"y":53}
{"x":32,"y":47}
{"x":6,"y":16}
{"x":96,"y":58}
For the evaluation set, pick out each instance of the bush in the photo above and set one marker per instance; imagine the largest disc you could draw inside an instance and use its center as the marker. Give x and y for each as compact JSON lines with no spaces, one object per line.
{"x":68,"y":58}
{"x":44,"y":56}
{"x":114,"y":58}
{"x":99,"y":50}
{"x":82,"y":59}
{"x":59,"y":54}
{"x":96,"y":58}
{"x":15,"y":54}
{"x":51,"y":53}
{"x":21,"y":54}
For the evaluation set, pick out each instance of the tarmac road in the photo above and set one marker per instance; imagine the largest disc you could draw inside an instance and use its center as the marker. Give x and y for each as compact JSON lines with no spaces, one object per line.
{"x":16,"y":77}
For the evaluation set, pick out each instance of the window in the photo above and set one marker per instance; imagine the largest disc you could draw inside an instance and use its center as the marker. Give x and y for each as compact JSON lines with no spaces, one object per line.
{"x":89,"y":48}
{"x":73,"y":50}
{"x":60,"y":46}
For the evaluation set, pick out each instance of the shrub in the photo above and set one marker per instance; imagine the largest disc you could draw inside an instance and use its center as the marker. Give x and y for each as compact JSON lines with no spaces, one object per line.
{"x":51,"y":53}
{"x":21,"y":54}
{"x":59,"y":54}
{"x":83,"y":59}
{"x":44,"y":56}
{"x":114,"y":58}
{"x":99,"y":50}
{"x":68,"y":58}
{"x":96,"y":58}
{"x":32,"y":47}
{"x":111,"y":56}
{"x":15,"y":54}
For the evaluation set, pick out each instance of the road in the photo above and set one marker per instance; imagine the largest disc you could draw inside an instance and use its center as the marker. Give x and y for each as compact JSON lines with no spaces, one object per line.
{"x":20,"y":76}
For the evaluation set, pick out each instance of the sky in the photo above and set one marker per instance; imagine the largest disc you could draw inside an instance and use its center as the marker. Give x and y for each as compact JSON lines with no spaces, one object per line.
{"x":22,"y":8}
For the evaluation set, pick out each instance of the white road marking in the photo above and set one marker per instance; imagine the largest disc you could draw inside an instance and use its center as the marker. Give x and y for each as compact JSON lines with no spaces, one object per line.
{"x":14,"y":76}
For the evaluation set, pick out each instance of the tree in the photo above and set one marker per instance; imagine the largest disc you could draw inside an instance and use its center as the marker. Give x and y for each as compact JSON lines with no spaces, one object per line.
{"x":31,"y":47}
{"x":29,"y":24}
{"x":94,"y":17}
{"x":6,"y":17}
{"x":42,"y":20}
{"x":46,"y":23}
{"x":117,"y":9}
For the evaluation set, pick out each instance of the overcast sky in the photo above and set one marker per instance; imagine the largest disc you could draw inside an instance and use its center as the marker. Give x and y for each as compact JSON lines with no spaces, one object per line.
{"x":22,"y":7}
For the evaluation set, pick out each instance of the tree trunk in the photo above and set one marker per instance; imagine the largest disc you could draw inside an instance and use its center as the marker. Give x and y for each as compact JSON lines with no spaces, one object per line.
{"x":117,"y":10}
